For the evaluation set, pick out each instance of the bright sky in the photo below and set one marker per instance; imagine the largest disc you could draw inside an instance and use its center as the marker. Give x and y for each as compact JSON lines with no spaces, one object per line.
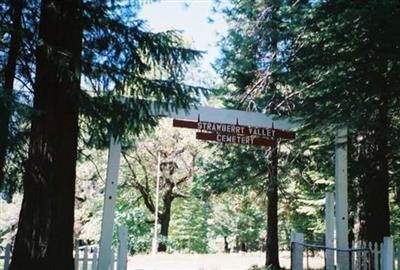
{"x":193,"y":18}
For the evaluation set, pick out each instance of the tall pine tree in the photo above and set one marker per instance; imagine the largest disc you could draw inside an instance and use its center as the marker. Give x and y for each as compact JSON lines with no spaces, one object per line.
{"x":102,"y":44}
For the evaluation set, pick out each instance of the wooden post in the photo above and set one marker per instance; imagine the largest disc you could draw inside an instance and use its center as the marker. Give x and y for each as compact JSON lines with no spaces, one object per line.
{"x":94,"y":259}
{"x":297,"y":239}
{"x":76,"y":259}
{"x":85,"y":259}
{"x":272,"y":250}
{"x":329,"y":230}
{"x":123,"y":248}
{"x":110,"y":194}
{"x":387,"y":254}
{"x":112,"y":259}
{"x":342,"y":240}
{"x":375,"y":255}
{"x":7,"y":256}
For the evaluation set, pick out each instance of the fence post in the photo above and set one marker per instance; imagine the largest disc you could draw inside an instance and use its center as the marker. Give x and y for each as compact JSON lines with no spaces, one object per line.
{"x":76,"y":258}
{"x":94,"y":259}
{"x":297,"y":250}
{"x":329,"y":229}
{"x":375,"y":255}
{"x":7,"y":256}
{"x":123,"y":248}
{"x":112,"y":265}
{"x":85,"y":259}
{"x":387,"y":254}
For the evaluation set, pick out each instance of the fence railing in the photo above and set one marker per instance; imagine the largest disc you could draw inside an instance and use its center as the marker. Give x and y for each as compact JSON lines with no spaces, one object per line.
{"x":6,"y":257}
{"x":361,"y":256}
{"x":377,"y":253}
{"x":85,"y":257}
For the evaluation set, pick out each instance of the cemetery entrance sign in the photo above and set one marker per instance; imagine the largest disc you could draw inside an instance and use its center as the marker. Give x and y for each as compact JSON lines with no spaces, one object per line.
{"x":212,"y":124}
{"x":234,"y":133}
{"x":237,"y":127}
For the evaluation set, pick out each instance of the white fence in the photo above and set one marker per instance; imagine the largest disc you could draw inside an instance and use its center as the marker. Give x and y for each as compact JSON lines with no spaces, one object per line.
{"x":377,"y":253}
{"x":364,"y":256}
{"x":85,"y":257}
{"x":6,"y":257}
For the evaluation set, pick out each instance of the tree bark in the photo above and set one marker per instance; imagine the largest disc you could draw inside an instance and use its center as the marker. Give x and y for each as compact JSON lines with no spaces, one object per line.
{"x":165,"y":219}
{"x":226,"y":245}
{"x":45,"y":232}
{"x":6,"y":94}
{"x":243,"y":246}
{"x":375,"y":188}
{"x":272,"y":250}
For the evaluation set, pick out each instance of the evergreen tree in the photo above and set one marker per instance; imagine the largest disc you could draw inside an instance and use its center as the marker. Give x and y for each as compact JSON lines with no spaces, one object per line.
{"x":6,"y":93}
{"x":103,"y":42}
{"x":45,"y":229}
{"x":253,"y":68}
{"x":335,"y":63}
{"x":189,"y":225}
{"x":17,"y":24}
{"x":344,"y":70}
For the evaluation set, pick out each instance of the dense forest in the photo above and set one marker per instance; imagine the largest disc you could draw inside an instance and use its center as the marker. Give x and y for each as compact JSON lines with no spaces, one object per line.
{"x":76,"y":73}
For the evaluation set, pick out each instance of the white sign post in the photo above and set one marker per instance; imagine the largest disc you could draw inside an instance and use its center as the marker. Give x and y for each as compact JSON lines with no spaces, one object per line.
{"x":123,"y":248}
{"x":342,"y":241}
{"x":110,"y":194}
{"x":329,"y":230}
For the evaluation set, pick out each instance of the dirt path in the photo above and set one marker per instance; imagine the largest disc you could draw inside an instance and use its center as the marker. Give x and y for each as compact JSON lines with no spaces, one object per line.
{"x":206,"y":261}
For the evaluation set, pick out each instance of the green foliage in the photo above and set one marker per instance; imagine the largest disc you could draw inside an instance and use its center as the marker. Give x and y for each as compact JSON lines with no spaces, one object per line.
{"x":189,"y":226}
{"x":240,"y":218}
{"x":137,"y":219}
{"x":324,"y":64}
{"x":15,"y":104}
{"x":126,"y":72}
{"x":121,"y":58}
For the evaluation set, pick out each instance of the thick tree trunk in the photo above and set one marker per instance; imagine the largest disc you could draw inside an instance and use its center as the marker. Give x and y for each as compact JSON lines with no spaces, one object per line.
{"x":45,"y":232}
{"x":272,"y":251}
{"x":6,"y":94}
{"x":375,"y":188}
{"x":165,"y":219}
{"x":364,"y":173}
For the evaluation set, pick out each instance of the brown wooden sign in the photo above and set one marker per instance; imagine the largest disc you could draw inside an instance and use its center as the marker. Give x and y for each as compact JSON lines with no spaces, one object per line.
{"x":233,"y":138}
{"x":240,"y":130}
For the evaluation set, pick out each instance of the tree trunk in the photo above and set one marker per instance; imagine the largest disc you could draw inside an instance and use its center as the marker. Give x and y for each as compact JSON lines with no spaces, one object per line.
{"x":375,"y":189}
{"x":243,"y":246}
{"x":237,"y":242}
{"x":165,"y":218}
{"x":226,"y":245}
{"x":272,"y":251}
{"x":45,"y":231}
{"x":6,"y":94}
{"x":363,"y":184}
